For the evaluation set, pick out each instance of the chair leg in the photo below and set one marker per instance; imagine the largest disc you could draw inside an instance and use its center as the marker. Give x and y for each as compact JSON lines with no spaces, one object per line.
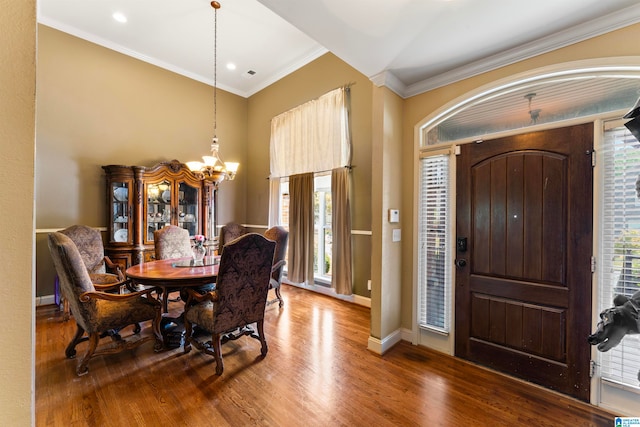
{"x":188,"y":330}
{"x":155,"y":327}
{"x":70,"y":351}
{"x":217,"y":350}
{"x":93,"y":344}
{"x":263,"y":341}
{"x":66,"y":311}
{"x":281,"y":303}
{"x":165,"y":302}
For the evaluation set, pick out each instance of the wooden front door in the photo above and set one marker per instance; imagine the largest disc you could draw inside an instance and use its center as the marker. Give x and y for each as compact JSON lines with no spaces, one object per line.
{"x":523,"y":282}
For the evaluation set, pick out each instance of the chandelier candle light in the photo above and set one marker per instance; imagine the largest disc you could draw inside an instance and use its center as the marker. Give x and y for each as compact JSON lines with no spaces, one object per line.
{"x":213,"y":168}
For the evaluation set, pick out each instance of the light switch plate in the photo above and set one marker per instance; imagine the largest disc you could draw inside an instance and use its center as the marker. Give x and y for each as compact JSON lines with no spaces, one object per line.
{"x":397,"y":234}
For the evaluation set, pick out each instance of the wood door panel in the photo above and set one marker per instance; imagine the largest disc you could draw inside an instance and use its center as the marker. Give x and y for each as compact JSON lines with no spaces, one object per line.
{"x":537,"y":293}
{"x":515,"y":210}
{"x":481,"y":262}
{"x":539,"y":370}
{"x":523,"y":299}
{"x":497,"y":223}
{"x":519,"y":326}
{"x":533,"y":196}
{"x":510,"y":200}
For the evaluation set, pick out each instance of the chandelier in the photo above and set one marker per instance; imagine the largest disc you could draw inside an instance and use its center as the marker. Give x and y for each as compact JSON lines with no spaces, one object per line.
{"x":212,"y":168}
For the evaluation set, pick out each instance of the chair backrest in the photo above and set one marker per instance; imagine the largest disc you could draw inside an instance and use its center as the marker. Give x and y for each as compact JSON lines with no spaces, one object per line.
{"x":89,"y":243}
{"x":281,"y":236}
{"x":172,"y":241}
{"x":229,"y":233}
{"x":243,"y":282}
{"x":73,"y":277}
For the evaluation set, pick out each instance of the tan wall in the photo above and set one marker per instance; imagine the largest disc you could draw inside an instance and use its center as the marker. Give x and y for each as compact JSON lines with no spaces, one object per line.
{"x":615,"y":44}
{"x":386,"y":254}
{"x":17,"y":130}
{"x":99,"y":107}
{"x":320,"y":76}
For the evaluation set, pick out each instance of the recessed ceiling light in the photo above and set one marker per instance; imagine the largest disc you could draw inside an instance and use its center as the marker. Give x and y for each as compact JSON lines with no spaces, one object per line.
{"x":119,"y":16}
{"x":231,"y":66}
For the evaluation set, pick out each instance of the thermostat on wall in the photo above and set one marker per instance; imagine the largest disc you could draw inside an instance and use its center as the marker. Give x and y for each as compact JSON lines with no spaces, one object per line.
{"x":394,"y":215}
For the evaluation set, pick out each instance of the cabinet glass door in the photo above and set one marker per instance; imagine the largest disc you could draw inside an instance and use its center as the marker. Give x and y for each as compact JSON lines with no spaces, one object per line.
{"x":120,"y":212}
{"x":158,"y":213}
{"x":188,"y":208}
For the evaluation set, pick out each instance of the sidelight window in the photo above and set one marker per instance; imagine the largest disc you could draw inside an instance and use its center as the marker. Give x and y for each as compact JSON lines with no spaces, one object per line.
{"x":434,"y":259}
{"x":620,"y":248}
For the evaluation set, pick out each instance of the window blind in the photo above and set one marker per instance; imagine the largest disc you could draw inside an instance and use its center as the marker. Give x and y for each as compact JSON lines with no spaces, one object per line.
{"x":434,"y":259}
{"x":620,"y":244}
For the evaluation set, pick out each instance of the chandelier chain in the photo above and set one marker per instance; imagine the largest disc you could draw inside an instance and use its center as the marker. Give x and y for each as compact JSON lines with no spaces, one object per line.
{"x":213,"y":168}
{"x":215,"y":72}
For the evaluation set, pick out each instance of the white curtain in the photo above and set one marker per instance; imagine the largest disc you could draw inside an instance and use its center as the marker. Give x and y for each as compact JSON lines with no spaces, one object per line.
{"x":312,"y":137}
{"x":274,"y":202}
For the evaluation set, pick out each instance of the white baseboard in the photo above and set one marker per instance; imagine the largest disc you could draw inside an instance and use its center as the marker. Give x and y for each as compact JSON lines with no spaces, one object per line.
{"x":45,"y":300}
{"x":379,"y":346}
{"x":407,"y":334}
{"x":356,"y":299}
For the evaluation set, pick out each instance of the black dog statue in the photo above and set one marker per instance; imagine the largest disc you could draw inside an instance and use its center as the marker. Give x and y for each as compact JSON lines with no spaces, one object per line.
{"x":616,"y":322}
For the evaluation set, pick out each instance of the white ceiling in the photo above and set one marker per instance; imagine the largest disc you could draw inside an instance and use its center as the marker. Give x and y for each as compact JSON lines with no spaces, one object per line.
{"x":409,"y":45}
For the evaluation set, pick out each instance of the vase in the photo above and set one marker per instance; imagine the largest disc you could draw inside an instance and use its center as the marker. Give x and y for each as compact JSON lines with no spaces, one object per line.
{"x":198,"y":254}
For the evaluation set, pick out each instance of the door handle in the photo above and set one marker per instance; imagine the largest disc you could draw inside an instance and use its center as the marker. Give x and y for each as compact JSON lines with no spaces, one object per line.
{"x":460,"y":263}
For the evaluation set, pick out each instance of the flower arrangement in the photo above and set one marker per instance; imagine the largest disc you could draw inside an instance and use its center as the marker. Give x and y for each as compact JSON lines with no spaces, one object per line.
{"x":198,"y":240}
{"x":198,"y":248}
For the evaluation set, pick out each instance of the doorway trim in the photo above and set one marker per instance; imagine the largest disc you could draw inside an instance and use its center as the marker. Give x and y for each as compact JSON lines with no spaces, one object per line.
{"x":622,"y":67}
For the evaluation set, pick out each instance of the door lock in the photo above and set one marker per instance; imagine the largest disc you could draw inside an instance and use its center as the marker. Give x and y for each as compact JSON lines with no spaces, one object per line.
{"x":461,"y":263}
{"x":461,"y":244}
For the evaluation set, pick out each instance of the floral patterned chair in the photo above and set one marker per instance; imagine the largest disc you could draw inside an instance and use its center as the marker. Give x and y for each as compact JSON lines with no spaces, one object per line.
{"x":238,"y":301}
{"x":88,"y":240}
{"x":281,"y":236}
{"x":230,"y":232}
{"x":97,"y":311}
{"x":171,"y":242}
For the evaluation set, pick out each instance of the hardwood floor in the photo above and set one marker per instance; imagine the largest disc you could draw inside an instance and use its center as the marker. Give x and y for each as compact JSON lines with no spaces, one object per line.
{"x":318,"y":372}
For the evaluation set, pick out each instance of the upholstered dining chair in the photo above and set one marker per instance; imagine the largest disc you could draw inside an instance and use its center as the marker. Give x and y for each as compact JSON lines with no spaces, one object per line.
{"x":171,"y":242}
{"x":238,"y":301}
{"x":281,"y":236}
{"x":88,"y":240}
{"x":230,"y":232}
{"x":97,"y":311}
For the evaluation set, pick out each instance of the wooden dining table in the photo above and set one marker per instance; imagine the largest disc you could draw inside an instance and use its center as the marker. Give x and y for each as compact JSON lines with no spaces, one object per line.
{"x":174,"y":274}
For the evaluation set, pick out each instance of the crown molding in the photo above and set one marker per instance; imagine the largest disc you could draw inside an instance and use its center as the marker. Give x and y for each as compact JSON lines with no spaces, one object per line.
{"x":389,"y":80}
{"x":578,"y":33}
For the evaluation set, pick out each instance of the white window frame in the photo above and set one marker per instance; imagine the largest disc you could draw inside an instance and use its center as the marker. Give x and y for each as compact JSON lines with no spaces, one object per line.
{"x":321,"y":227}
{"x":422,"y":311}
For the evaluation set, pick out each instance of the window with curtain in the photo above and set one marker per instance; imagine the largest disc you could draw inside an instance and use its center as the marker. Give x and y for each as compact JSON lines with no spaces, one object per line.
{"x":314,"y":138}
{"x":434,"y":259}
{"x":619,"y":271}
{"x":323,"y":236}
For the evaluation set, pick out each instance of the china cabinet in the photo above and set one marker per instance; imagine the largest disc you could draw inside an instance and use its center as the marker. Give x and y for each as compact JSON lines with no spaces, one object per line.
{"x":141,"y":200}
